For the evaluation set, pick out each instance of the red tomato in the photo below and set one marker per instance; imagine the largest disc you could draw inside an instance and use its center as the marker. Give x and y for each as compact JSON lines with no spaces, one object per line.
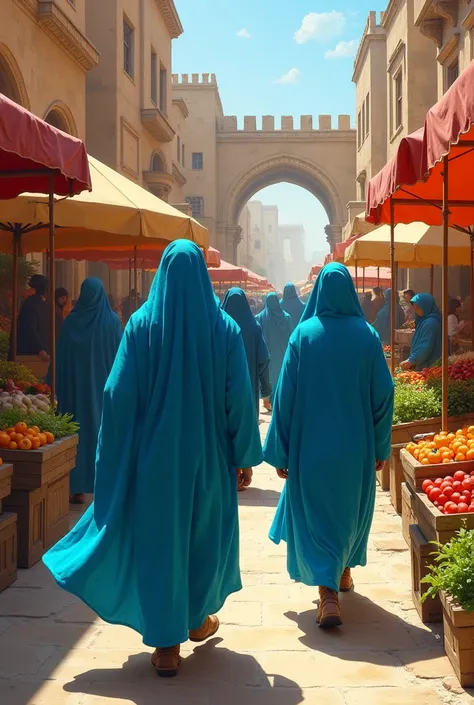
{"x":438,"y":482}
{"x":442,"y":499}
{"x":449,"y":478}
{"x":466,"y":496}
{"x":456,"y":497}
{"x":450,"y":508}
{"x":468,"y":484}
{"x":459,"y":475}
{"x":434,"y":494}
{"x":462,"y":508}
{"x":426,"y":484}
{"x":471,"y":509}
{"x":457,"y":486}
{"x":448,"y":491}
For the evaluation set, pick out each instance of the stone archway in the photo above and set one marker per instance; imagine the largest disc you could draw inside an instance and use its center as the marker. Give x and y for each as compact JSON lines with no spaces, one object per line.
{"x":60,"y":116}
{"x":11,"y":80}
{"x":272,"y":170}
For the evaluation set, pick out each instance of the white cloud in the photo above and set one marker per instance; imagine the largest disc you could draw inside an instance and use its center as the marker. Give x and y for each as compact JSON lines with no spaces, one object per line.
{"x":343,"y":50}
{"x":293,"y":76}
{"x":244,"y":34}
{"x":320,"y":26}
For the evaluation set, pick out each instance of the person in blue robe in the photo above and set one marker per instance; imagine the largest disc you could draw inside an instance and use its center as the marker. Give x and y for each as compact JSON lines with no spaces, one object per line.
{"x":331,"y":429}
{"x":383,"y":324}
{"x":427,"y":341}
{"x":158,"y":550}
{"x":292,"y":304}
{"x":85,"y":352}
{"x":277,"y":327}
{"x":236,"y":305}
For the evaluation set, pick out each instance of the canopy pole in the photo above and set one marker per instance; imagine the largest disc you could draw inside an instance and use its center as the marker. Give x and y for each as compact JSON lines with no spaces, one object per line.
{"x":363,"y":280}
{"x":357,"y":277}
{"x":378,"y":276}
{"x":14,"y":331}
{"x":393,"y":284}
{"x":52,"y":287}
{"x":472,"y":293}
{"x":445,"y":350}
{"x":129,"y":277}
{"x":135,"y":279}
{"x":432,"y":280}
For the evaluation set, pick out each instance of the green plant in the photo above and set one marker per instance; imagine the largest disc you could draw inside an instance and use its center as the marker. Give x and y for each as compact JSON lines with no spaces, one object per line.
{"x":26,"y":269}
{"x":60,"y":425}
{"x":453,"y":571}
{"x":460,"y":396}
{"x":415,"y":403}
{"x":16,"y":372}
{"x":4,"y":345}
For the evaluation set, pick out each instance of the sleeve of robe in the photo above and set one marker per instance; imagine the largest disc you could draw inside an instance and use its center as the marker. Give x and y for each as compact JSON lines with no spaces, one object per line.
{"x":277,"y":445}
{"x":381,"y":395}
{"x":263,"y":366}
{"x":242,"y":425}
{"x":423,"y":344}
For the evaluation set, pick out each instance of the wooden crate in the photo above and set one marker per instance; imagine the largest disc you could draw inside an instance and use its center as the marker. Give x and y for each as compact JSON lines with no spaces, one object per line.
{"x":6,"y":472}
{"x":8,"y":549}
{"x":459,"y":640}
{"x":396,"y":476}
{"x":34,"y":468}
{"x":415,"y":473}
{"x":31,"y":510}
{"x":408,"y":512}
{"x":434,"y":525}
{"x":57,"y":511}
{"x":405,"y":432}
{"x":430,"y":610}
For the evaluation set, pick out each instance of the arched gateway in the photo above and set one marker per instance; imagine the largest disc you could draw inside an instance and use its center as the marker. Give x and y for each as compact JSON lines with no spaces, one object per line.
{"x":229,"y":165}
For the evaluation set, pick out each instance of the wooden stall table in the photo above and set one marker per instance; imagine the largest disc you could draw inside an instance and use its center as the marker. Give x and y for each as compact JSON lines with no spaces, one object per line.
{"x":8,"y":536}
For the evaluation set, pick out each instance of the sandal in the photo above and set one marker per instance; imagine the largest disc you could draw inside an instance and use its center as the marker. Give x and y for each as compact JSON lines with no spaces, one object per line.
{"x":209,"y":628}
{"x":329,"y":612}
{"x":347,"y":583}
{"x":167,"y":661}
{"x":77,"y":498}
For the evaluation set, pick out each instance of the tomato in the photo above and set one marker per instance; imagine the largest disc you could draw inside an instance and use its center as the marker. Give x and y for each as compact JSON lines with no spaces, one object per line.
{"x":467,"y":495}
{"x":456,"y":497}
{"x":438,"y":482}
{"x":442,"y":499}
{"x":434,"y":494}
{"x":426,"y":484}
{"x":459,"y":475}
{"x":448,"y":491}
{"x":471,"y":509}
{"x":457,"y":486}
{"x":468,"y":484}
{"x":444,"y":485}
{"x":451,"y":508}
{"x":463,"y":508}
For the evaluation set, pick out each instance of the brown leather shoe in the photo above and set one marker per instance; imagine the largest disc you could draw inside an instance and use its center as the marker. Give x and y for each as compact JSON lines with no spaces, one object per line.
{"x":167,"y":661}
{"x":347,"y":583}
{"x":329,"y":612}
{"x":209,"y":628}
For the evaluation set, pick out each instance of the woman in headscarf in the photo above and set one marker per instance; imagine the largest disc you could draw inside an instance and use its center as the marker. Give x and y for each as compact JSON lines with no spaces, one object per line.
{"x":382,"y":323}
{"x":158,"y":550}
{"x":292,"y":304}
{"x":85,"y":352}
{"x":334,"y":378}
{"x":277,"y":327}
{"x":236,"y":305}
{"x":61,"y":296}
{"x":427,"y":341}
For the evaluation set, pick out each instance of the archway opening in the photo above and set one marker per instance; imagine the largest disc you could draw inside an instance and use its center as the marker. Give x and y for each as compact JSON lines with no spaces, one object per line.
{"x":283,"y":232}
{"x":157,"y":163}
{"x":57,"y":120}
{"x":8,"y":83}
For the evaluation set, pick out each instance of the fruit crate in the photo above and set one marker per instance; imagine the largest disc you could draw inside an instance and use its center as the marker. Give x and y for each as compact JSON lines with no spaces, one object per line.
{"x":8,"y":533}
{"x":40,"y":496}
{"x":434,"y":525}
{"x":405,"y":432}
{"x":396,"y":476}
{"x":458,"y":628}
{"x":408,"y":512}
{"x":415,"y":473}
{"x":430,"y":611}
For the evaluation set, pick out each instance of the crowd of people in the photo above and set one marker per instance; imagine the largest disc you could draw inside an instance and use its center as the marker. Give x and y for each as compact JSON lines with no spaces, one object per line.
{"x":168,"y":412}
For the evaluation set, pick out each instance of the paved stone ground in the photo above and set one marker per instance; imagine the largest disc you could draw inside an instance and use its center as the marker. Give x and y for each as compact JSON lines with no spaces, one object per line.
{"x":269,"y":651}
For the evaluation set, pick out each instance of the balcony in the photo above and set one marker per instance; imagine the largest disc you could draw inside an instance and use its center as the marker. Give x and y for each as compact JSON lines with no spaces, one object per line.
{"x":159,"y":183}
{"x":430,"y":16}
{"x":157,"y":124}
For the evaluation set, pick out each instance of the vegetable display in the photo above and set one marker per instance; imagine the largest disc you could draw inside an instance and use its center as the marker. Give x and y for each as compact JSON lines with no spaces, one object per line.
{"x":16,"y":372}
{"x":445,"y":447}
{"x":26,"y":397}
{"x":23,"y":437}
{"x":453,"y":569}
{"x":58,"y":425}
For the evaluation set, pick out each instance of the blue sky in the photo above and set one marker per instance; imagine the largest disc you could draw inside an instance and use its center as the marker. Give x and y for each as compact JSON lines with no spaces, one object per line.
{"x":277,"y":58}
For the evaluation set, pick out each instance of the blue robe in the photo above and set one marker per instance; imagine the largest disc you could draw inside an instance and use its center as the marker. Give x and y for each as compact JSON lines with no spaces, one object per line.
{"x":427,"y":341}
{"x":277,"y":327}
{"x":383,"y":321}
{"x":158,"y":550}
{"x":236,"y":305}
{"x":292,"y":304}
{"x":332,"y":418}
{"x":86,"y":350}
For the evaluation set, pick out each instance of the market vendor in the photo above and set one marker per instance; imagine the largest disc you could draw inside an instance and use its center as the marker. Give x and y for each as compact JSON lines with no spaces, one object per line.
{"x":34,"y":320}
{"x":382,"y":323}
{"x":408,"y":296}
{"x":426,"y":345}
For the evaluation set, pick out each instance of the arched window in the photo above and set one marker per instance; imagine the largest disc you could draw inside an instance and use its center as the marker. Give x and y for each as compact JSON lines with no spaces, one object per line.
{"x":55,"y":119}
{"x":8,"y":84}
{"x":158,"y":163}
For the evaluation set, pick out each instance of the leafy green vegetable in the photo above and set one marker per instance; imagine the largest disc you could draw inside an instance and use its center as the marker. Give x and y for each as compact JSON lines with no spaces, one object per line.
{"x":16,"y":372}
{"x":415,"y":403}
{"x":60,"y":425}
{"x":453,"y":571}
{"x":460,"y":396}
{"x":4,"y":344}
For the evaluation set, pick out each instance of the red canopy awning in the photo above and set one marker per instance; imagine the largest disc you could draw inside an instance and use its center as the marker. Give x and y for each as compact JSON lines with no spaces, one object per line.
{"x":413,"y":177}
{"x":28,"y":144}
{"x":228,"y":274}
{"x":119,"y":256}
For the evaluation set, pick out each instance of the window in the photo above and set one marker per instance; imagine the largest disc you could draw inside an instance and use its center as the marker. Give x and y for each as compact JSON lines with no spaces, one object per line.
{"x":367,"y":115}
{"x":179,"y":148}
{"x":398,"y":80}
{"x":257,"y":244}
{"x":154,"y":77}
{"x":197,"y":205}
{"x":362,"y":134}
{"x":127,"y":47}
{"x":157,"y":163}
{"x":163,"y":90}
{"x":198,"y":160}
{"x":182,"y":156}
{"x":72,"y":2}
{"x":452,"y":73}
{"x":359,"y":130}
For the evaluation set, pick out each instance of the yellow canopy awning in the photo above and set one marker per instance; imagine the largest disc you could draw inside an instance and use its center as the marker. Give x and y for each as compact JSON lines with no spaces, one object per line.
{"x":116,"y":212}
{"x":357,"y":226}
{"x":416,"y":245}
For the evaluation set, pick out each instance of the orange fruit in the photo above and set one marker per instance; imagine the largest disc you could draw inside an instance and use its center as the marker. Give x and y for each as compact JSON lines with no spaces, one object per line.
{"x":13,"y":446}
{"x":42,"y":437}
{"x":470,"y":454}
{"x":25,"y":444}
{"x":425,"y":461}
{"x":36,"y":443}
{"x":21,"y":427}
{"x":35,"y":429}
{"x":49,"y":437}
{"x":10,"y":430}
{"x":446,"y":460}
{"x":463,"y":449}
{"x":4,"y":440}
{"x":460,"y":457}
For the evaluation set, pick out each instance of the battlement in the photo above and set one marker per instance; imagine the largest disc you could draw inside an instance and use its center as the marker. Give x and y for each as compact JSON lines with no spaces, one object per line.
{"x":229,"y":123}
{"x":205,"y":79}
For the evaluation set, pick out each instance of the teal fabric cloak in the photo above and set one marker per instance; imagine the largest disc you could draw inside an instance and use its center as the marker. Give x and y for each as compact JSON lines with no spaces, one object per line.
{"x":427,"y":341}
{"x":277,"y":327}
{"x":158,"y":550}
{"x":236,"y":305}
{"x":85,"y":352}
{"x":332,"y":418}
{"x":383,"y":321}
{"x":292,"y":304}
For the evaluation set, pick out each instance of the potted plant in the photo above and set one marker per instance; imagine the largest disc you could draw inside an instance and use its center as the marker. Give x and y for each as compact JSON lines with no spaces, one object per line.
{"x":452,"y":577}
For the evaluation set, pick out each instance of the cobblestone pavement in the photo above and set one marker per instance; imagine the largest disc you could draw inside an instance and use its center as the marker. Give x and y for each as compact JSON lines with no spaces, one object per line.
{"x":269,"y":651}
